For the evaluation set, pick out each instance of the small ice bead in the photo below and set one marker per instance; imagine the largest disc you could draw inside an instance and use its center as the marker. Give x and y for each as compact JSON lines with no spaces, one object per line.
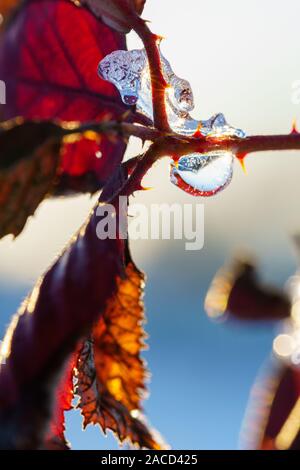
{"x":180,"y":95}
{"x":203,"y":174}
{"x":217,"y":126}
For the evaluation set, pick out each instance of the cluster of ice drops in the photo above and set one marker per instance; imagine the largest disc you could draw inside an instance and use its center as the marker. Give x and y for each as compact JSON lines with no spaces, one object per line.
{"x":200,"y":174}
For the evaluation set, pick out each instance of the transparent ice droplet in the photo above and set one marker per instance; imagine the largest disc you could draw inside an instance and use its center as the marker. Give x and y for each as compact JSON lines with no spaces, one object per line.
{"x":123,"y":69}
{"x":203,"y":174}
{"x":129,"y":72}
{"x":216,"y":126}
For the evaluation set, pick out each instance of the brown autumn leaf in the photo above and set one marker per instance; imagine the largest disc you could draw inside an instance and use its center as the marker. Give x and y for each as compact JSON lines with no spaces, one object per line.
{"x":237,"y":290}
{"x":29,"y":159}
{"x":110,"y":372}
{"x":118,"y":14}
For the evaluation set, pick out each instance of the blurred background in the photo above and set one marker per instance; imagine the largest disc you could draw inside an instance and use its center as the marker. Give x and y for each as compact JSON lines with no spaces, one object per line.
{"x":241,"y":59}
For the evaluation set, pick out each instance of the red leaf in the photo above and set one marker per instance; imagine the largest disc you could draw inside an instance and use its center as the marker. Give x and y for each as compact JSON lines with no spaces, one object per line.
{"x":48,"y":59}
{"x":55,"y":438}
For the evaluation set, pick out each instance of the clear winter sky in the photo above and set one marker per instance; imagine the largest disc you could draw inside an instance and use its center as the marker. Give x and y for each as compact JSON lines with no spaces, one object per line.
{"x":241,"y":59}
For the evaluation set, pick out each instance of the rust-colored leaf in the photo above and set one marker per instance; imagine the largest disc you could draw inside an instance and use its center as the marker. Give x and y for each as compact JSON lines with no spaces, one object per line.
{"x":111,"y":374}
{"x":238,"y":291}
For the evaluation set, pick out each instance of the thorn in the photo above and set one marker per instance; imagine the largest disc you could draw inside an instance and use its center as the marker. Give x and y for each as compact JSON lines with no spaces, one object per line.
{"x":138,"y":187}
{"x":197,"y":133}
{"x":243,"y":166}
{"x":159,"y":38}
{"x":175,"y":159}
{"x":294,"y":127}
{"x":241,"y":159}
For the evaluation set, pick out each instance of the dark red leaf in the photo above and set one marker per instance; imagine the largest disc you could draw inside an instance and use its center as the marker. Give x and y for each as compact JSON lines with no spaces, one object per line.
{"x":55,"y":438}
{"x":61,"y":309}
{"x":48,"y":58}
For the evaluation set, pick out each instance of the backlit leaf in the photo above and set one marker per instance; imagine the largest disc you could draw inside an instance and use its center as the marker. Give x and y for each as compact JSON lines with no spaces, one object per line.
{"x":55,"y":438}
{"x":111,"y":374}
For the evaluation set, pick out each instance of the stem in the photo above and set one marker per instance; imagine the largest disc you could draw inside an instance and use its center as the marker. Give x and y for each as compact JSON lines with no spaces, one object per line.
{"x":158,"y":83}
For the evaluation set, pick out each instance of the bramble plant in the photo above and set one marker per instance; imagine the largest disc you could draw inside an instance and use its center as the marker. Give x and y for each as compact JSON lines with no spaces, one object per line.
{"x":72,"y":104}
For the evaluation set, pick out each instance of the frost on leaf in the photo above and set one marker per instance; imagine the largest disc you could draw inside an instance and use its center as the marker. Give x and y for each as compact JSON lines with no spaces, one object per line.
{"x":110,"y":372}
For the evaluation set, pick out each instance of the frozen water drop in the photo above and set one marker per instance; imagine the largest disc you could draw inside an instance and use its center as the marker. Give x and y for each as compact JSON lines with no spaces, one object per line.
{"x":179,"y":93}
{"x":123,"y":69}
{"x":129,"y":72}
{"x":203,"y":174}
{"x":128,"y":98}
{"x":217,"y":126}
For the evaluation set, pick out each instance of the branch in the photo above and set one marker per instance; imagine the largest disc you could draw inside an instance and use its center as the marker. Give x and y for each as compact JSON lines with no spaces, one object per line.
{"x":163,"y":143}
{"x":177,"y":145}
